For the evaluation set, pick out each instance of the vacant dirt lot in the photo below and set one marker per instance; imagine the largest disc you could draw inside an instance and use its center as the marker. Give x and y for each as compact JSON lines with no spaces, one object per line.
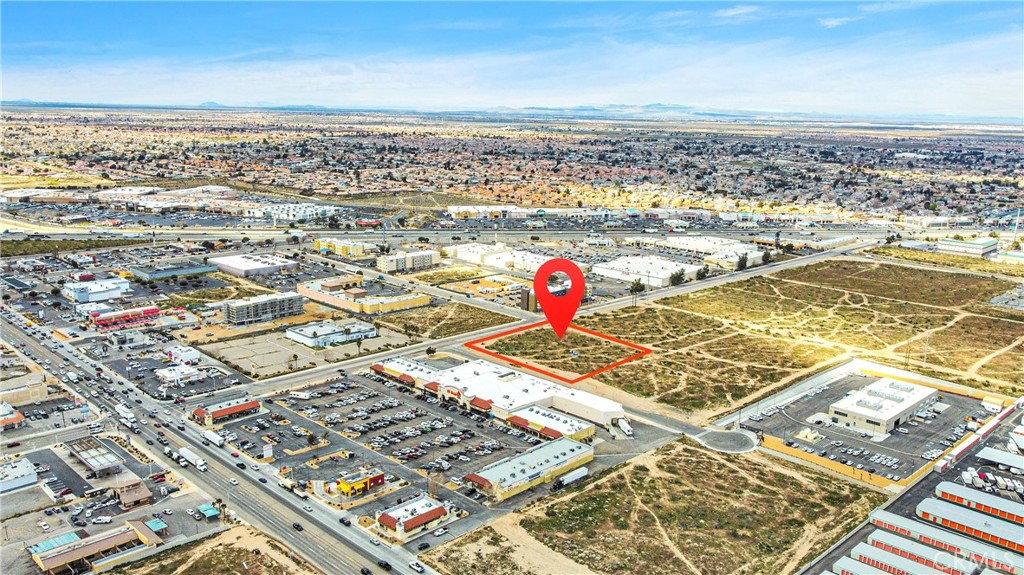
{"x":685,"y":509}
{"x":447,"y":275}
{"x":717,"y":349}
{"x":240,"y":550}
{"x":980,"y":265}
{"x":237,"y":288}
{"x":487,"y":551}
{"x":577,"y":353}
{"x":436,"y":322}
{"x":900,"y":282}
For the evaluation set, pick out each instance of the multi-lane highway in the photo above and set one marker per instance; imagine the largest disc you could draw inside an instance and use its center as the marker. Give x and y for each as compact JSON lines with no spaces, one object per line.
{"x":324,"y":541}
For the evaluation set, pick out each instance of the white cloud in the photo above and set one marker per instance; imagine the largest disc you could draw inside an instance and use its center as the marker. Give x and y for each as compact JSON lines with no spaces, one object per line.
{"x":736,"y":11}
{"x":878,"y":7}
{"x":889,"y":74}
{"x":837,"y":22}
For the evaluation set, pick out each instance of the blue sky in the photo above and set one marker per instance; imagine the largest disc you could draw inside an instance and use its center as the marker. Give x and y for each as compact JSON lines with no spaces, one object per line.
{"x":886,"y":58}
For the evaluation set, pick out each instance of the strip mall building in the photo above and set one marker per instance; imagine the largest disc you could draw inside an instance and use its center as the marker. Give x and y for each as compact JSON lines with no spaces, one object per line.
{"x":219,"y":412}
{"x":504,"y":393}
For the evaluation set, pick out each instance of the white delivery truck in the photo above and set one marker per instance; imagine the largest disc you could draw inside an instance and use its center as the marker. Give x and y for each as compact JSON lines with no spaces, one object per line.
{"x":213,"y":438}
{"x":572,"y":476}
{"x":72,"y":377}
{"x":300,"y":395}
{"x":124,"y":412}
{"x":191,"y":457}
{"x":625,"y":427}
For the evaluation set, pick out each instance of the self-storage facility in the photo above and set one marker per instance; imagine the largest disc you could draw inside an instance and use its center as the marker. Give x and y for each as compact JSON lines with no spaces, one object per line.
{"x":981,"y":501}
{"x":965,"y":547}
{"x":934,"y":559}
{"x":984,"y":527}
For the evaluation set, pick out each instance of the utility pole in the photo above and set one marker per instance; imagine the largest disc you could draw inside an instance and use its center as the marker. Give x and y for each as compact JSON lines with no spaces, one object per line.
{"x":1016,"y":224}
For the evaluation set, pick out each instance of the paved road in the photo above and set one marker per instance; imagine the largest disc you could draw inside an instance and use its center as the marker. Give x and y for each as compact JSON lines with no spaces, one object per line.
{"x":273,"y":510}
{"x":324,"y":542}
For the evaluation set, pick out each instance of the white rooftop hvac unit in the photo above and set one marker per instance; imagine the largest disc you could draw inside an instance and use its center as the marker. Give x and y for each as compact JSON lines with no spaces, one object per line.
{"x":901,"y":386}
{"x":872,"y":405}
{"x":894,"y":397}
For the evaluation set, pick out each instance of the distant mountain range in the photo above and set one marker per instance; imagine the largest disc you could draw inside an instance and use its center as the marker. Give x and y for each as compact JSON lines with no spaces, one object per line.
{"x":650,"y":112}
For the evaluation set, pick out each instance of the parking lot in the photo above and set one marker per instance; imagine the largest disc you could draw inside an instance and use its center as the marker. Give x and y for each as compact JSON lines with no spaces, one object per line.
{"x":383,"y":417}
{"x":309,"y":269}
{"x":28,"y":529}
{"x":138,"y":365}
{"x":44,"y":415}
{"x":894,"y":456}
{"x":59,"y":474}
{"x":273,"y":353}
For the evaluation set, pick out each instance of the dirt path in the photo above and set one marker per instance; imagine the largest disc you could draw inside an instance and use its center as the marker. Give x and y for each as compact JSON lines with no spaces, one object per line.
{"x":973,"y":369}
{"x":533,"y":554}
{"x":661,"y":529}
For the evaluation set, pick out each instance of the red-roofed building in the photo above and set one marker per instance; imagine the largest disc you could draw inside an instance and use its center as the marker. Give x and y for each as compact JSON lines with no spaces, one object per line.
{"x":478,"y":480}
{"x":550,"y":433}
{"x":518,"y":421}
{"x":432,"y":386}
{"x":219,"y":412}
{"x":412,"y":517}
{"x":481,"y":404}
{"x":10,"y":418}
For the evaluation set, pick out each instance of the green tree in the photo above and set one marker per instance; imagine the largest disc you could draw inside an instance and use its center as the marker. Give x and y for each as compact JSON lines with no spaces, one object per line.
{"x":636,"y":288}
{"x":741,"y":264}
{"x":677,"y":278}
{"x":702,"y":273}
{"x":767,"y":258}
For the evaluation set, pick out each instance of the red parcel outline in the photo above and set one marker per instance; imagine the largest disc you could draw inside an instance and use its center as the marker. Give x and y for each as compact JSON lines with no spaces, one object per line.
{"x":475,"y":346}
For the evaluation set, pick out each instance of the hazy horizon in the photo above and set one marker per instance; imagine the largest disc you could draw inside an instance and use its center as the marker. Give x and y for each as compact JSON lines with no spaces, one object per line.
{"x":836,"y":59}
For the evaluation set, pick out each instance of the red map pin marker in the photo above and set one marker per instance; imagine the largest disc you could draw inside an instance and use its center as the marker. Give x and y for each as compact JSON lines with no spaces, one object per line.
{"x":559,"y":309}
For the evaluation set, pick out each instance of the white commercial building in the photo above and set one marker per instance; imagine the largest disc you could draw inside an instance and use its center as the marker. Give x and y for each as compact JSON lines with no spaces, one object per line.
{"x":499,"y":390}
{"x":475,"y":253}
{"x":85,"y":310}
{"x":540,"y":464}
{"x":411,"y":517}
{"x":702,"y":244}
{"x":731,"y":260}
{"x":178,"y":374}
{"x":882,"y":405}
{"x":721,"y":252}
{"x":326,"y":333}
{"x":522,"y":260}
{"x":653,"y":271}
{"x":1011,"y":257}
{"x":248,"y":265}
{"x":183,"y":354}
{"x":17,"y":474}
{"x":97,"y":290}
{"x":551,"y":424}
{"x":979,"y":248}
{"x":400,"y":262}
{"x":293,"y":212}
